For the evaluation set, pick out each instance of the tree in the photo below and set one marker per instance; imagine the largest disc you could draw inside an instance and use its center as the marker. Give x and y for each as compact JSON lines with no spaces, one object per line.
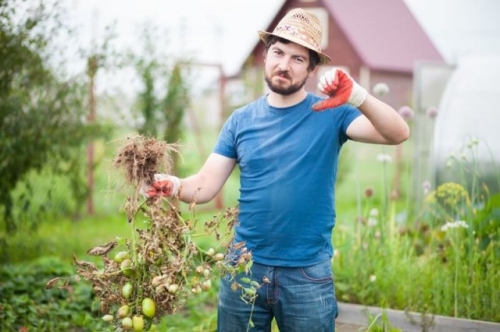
{"x":41,"y":114}
{"x":173,"y":105}
{"x":164,"y":94}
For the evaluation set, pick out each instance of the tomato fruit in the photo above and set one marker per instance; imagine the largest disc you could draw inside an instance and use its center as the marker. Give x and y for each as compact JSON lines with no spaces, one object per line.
{"x":127,"y":323}
{"x":126,"y":267}
{"x":172,"y":289}
{"x":138,"y":323}
{"x":121,"y":256}
{"x":123,"y":311}
{"x":206,"y":285}
{"x":107,"y":318}
{"x":127,"y":290}
{"x":148,"y":307}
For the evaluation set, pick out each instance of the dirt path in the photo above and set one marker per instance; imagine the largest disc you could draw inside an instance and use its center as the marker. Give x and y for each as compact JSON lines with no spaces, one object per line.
{"x":344,"y":327}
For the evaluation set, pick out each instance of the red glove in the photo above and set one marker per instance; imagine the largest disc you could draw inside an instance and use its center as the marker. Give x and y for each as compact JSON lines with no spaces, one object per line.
{"x":341,"y":89}
{"x":164,"y":185}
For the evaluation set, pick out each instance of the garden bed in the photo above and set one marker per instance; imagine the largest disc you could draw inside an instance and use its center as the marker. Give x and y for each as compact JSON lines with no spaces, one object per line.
{"x":410,"y":321}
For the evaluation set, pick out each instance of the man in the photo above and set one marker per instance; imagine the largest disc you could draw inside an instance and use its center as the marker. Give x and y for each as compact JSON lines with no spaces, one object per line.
{"x":286,"y":145}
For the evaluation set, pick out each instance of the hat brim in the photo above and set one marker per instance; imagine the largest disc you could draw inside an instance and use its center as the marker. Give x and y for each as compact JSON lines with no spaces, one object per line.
{"x":264,"y":36}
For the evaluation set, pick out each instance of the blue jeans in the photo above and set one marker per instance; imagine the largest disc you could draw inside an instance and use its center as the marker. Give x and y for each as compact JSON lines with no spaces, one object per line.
{"x":300,"y":299}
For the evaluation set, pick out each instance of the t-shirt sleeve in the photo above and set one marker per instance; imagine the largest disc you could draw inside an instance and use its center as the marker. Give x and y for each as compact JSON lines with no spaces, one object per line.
{"x":225,"y":144}
{"x":350,"y":114}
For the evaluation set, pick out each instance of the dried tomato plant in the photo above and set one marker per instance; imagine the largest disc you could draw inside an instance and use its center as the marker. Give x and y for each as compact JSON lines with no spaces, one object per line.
{"x":153,"y":273}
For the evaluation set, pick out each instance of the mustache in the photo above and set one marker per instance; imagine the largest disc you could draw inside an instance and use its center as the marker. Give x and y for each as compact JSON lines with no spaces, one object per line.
{"x":283,"y":73}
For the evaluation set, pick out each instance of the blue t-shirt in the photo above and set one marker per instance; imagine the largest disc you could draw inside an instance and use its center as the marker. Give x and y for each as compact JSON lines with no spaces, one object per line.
{"x":288,"y":164}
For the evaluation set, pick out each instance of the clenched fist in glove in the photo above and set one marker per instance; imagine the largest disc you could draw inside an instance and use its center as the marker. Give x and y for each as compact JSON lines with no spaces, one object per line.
{"x":163,"y":185}
{"x":341,"y":89}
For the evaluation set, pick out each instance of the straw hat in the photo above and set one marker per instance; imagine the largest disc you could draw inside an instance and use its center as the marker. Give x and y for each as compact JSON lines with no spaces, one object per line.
{"x":301,"y":27}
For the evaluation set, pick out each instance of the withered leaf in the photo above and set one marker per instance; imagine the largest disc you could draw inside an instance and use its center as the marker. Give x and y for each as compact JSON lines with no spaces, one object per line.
{"x":87,"y":265}
{"x":102,"y":250}
{"x":52,"y":282}
{"x":239,"y":245}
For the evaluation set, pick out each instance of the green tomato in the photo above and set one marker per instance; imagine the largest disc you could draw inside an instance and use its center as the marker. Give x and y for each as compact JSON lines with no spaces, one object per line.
{"x":123,"y":311}
{"x":218,"y":257}
{"x":121,"y":256}
{"x":127,"y":290}
{"x":148,"y":307}
{"x":126,"y":267}
{"x":127,"y":323}
{"x":138,"y":323}
{"x":107,"y":318}
{"x":173,"y":288}
{"x":206,"y":285}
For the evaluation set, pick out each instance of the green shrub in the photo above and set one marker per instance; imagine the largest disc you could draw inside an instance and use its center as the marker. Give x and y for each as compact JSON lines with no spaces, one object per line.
{"x":26,"y":303}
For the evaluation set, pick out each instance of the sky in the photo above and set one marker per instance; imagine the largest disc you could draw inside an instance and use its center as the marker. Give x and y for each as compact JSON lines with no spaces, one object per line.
{"x":224,"y":31}
{"x":216,"y":31}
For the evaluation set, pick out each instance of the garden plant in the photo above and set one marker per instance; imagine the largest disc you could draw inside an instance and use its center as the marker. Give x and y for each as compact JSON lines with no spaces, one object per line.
{"x":151,"y":274}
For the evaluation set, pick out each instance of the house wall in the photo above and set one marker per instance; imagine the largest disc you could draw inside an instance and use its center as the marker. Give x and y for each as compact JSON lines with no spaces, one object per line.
{"x":400,"y":87}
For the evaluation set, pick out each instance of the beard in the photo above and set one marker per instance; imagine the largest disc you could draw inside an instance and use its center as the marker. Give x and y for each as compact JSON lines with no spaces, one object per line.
{"x":281,"y":89}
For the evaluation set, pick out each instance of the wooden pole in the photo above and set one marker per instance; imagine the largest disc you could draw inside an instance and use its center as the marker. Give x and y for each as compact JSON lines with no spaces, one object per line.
{"x":92,"y":70}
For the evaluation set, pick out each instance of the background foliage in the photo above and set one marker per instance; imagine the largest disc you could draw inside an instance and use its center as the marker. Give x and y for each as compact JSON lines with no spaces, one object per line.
{"x":40,"y":112}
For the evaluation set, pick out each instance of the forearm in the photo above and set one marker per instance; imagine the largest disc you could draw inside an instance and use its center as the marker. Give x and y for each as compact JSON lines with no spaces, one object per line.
{"x":203,"y":186}
{"x":386,"y":120}
{"x":196,"y":189}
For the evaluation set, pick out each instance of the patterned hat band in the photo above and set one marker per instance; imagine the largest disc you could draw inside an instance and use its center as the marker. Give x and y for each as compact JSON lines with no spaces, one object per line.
{"x":301,"y":27}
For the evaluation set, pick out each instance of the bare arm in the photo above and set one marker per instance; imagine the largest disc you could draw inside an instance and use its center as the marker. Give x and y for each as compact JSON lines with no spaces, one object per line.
{"x":204,"y":186}
{"x":379,"y":124}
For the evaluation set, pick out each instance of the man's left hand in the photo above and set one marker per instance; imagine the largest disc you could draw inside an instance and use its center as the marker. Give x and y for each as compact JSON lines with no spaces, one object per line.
{"x":341,"y":89}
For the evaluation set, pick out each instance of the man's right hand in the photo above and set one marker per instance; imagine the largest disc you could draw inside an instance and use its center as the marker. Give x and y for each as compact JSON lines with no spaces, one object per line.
{"x":163,"y":186}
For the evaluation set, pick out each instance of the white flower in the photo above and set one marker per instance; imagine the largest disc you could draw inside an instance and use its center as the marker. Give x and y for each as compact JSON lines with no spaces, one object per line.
{"x":454,"y":224}
{"x":472,"y":142}
{"x":380,"y":89}
{"x":373,"y":278}
{"x":426,"y":186}
{"x":384,"y":158}
{"x":374,"y":212}
{"x":372,"y":222}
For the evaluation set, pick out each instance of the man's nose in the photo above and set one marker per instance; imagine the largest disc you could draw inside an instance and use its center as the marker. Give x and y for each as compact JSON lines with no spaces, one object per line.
{"x":284,"y":64}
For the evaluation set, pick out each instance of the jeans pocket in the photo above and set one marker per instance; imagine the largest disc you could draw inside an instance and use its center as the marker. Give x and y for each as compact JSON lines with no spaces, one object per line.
{"x":321,"y":272}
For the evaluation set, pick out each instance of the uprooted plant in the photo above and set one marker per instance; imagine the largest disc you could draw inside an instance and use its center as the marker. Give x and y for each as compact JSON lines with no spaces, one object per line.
{"x":153,"y":273}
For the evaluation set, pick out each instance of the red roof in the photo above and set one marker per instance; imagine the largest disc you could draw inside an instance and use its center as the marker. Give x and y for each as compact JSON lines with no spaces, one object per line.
{"x":384,"y":33}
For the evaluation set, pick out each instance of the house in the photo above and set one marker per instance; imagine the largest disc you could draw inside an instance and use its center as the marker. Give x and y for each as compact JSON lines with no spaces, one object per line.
{"x":374,"y":40}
